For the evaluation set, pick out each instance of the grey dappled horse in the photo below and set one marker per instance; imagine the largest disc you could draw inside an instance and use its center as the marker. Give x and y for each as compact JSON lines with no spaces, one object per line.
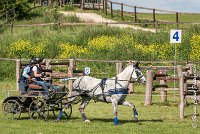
{"x":111,"y":90}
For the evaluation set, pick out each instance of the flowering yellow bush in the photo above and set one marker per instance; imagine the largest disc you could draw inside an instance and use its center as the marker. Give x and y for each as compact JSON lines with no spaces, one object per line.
{"x":195,"y":48}
{"x":68,"y":51}
{"x":24,"y":48}
{"x":38,"y":49}
{"x":102,"y":42}
{"x":20,"y":48}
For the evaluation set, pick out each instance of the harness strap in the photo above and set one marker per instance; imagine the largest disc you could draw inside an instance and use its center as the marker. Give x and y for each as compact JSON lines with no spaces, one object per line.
{"x":102,"y":84}
{"x":118,"y":91}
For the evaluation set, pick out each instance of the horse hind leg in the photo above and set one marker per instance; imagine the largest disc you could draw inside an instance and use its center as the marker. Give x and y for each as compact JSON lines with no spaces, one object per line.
{"x":135,"y":113}
{"x":84,"y":103}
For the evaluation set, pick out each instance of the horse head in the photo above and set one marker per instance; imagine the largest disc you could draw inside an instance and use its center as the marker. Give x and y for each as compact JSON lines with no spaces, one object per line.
{"x":137,"y":73}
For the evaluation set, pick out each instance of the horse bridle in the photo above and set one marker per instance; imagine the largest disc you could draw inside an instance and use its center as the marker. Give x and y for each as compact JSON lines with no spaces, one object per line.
{"x":138,"y":77}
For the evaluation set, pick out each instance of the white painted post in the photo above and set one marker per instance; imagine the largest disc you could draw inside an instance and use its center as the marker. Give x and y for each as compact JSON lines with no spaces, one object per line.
{"x":181,"y":89}
{"x":70,"y":74}
{"x":17,"y":74}
{"x":149,"y":87}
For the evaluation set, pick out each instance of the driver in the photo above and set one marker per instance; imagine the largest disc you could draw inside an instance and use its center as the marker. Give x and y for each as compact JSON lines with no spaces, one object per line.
{"x":38,"y":75}
{"x":26,"y":76}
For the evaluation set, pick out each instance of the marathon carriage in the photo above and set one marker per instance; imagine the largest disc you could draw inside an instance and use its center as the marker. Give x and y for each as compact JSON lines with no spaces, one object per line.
{"x":37,"y":105}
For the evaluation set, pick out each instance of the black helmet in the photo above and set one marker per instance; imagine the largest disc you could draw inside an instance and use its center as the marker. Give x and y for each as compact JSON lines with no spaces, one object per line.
{"x":38,"y":60}
{"x":33,"y":61}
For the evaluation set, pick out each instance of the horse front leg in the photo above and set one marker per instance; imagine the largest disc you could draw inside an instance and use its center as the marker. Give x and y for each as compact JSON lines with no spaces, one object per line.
{"x":115,"y":106}
{"x":84,"y":103}
{"x":135,"y":113}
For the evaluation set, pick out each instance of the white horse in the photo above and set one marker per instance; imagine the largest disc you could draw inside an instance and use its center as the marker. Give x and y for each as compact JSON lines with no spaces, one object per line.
{"x":113,"y":90}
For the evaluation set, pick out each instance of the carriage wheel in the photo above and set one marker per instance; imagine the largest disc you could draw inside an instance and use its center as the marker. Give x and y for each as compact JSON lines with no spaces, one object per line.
{"x":67,"y":110}
{"x":38,"y":109}
{"x":12,"y":109}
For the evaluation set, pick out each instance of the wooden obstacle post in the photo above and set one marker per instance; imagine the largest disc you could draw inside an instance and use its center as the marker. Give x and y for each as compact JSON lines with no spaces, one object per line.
{"x":179,"y":70}
{"x":149,"y":87}
{"x":118,"y":67}
{"x":17,"y":74}
{"x":163,"y":94}
{"x":190,"y":71}
{"x":70,"y":74}
{"x":181,"y":91}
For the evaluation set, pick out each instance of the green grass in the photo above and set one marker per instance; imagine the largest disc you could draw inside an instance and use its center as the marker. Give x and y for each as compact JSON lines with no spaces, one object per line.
{"x":158,"y":118}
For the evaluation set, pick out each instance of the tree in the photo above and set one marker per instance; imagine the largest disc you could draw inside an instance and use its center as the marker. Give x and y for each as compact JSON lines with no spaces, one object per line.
{"x":21,"y":7}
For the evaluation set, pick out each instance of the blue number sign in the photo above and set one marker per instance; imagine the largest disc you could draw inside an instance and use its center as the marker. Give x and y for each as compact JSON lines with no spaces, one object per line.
{"x":175,"y":36}
{"x":87,"y":70}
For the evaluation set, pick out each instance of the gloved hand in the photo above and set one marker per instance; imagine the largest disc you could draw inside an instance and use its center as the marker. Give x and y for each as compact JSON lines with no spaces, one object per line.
{"x":43,"y":75}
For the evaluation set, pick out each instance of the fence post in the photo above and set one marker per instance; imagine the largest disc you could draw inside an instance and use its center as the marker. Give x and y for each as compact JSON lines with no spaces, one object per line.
{"x":106,"y":8}
{"x":181,"y":91}
{"x":60,"y":2}
{"x":99,"y":2}
{"x":82,"y":4}
{"x":177,"y":20}
{"x":63,"y":2}
{"x":103,"y":5}
{"x":149,"y":86}
{"x":93,"y":4}
{"x":70,"y":74}
{"x":17,"y":74}
{"x":154,"y":17}
{"x":135,"y":12}
{"x":111,"y":9}
{"x":122,"y":11}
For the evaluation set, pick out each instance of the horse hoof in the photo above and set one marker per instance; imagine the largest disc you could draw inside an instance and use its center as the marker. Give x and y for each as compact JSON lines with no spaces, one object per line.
{"x":135,"y":119}
{"x":87,"y":121}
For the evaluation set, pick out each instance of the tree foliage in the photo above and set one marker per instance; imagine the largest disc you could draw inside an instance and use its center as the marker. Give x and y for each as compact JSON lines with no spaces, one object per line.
{"x":21,"y":8}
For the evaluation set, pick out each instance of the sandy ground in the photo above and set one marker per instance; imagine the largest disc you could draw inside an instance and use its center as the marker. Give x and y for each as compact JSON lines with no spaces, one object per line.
{"x":94,"y":18}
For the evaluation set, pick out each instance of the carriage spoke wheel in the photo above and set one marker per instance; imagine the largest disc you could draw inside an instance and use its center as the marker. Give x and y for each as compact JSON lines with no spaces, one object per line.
{"x":67,"y":110}
{"x":12,"y":109}
{"x":38,"y":109}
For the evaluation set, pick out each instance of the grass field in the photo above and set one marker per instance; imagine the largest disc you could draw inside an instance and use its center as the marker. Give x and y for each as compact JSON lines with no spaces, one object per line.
{"x":155,"y":119}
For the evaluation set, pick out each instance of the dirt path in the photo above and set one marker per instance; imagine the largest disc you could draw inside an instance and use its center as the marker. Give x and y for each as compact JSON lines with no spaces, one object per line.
{"x":94,"y":18}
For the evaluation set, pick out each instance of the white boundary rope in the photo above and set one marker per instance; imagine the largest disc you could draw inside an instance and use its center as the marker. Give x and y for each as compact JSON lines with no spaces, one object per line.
{"x":194,"y":86}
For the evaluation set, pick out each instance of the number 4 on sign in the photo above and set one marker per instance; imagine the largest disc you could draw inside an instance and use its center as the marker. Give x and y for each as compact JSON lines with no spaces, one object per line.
{"x":175,"y":36}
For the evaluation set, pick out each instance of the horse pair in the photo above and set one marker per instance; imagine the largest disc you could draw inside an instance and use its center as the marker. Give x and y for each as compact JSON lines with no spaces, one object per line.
{"x":111,"y":90}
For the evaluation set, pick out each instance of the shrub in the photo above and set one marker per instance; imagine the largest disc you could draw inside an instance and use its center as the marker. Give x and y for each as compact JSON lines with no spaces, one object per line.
{"x":72,"y":51}
{"x":195,"y":48}
{"x":25,"y":49}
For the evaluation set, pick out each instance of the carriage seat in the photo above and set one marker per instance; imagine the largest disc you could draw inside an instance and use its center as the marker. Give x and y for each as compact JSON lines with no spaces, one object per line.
{"x":33,"y":86}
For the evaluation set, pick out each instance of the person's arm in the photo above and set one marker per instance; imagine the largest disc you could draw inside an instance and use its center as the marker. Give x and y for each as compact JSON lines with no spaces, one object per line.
{"x":26,"y":71}
{"x":35,"y":72}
